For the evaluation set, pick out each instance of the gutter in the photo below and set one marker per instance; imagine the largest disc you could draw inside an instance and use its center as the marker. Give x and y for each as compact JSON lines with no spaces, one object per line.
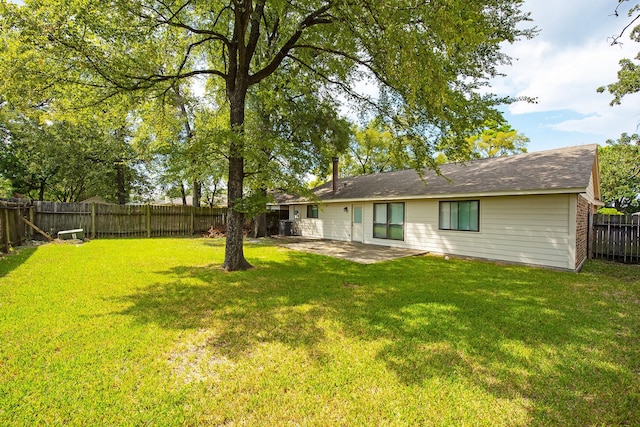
{"x":444,"y":196}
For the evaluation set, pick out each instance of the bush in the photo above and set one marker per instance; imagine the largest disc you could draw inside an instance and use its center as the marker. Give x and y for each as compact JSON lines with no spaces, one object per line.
{"x":5,"y":188}
{"x":221,"y":231}
{"x":609,"y":211}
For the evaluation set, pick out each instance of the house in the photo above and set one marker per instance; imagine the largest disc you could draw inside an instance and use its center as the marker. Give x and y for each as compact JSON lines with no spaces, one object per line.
{"x":530,"y":208}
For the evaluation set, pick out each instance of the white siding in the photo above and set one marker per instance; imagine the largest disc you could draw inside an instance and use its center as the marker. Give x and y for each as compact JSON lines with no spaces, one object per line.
{"x":332,"y":223}
{"x":535,"y":230}
{"x":590,"y":190}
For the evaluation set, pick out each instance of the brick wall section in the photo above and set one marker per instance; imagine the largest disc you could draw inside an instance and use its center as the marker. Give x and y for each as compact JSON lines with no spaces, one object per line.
{"x":582,"y":230}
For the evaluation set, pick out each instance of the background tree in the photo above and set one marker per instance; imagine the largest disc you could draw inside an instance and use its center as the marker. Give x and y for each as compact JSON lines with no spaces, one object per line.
{"x":167,"y":131}
{"x":430,"y":58}
{"x":48,"y":156}
{"x":497,"y":139}
{"x":620,"y":160}
{"x":620,"y":173}
{"x":27,"y":158}
{"x":374,"y":149}
{"x":5,"y":188}
{"x":629,"y":73}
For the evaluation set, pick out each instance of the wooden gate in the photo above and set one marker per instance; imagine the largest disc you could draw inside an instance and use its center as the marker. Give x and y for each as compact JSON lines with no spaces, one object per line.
{"x":616,"y":238}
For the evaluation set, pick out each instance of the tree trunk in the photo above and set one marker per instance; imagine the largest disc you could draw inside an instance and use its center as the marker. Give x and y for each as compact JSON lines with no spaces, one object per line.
{"x":183,"y":194}
{"x":197,"y":193}
{"x":234,"y":252}
{"x":120,"y":178}
{"x":41,"y":190}
{"x":211,"y":198}
{"x":260,"y":221}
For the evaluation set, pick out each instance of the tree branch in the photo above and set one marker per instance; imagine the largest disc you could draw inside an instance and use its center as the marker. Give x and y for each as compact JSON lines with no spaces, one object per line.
{"x":347,"y":89}
{"x":172,"y":21}
{"x":214,"y":35}
{"x":315,"y":18}
{"x":614,"y":39}
{"x":188,"y":52}
{"x":256,"y":16}
{"x":364,"y":63}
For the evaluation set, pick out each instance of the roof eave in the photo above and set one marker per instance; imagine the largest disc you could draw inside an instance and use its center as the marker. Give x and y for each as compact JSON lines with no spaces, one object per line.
{"x":449,"y":196}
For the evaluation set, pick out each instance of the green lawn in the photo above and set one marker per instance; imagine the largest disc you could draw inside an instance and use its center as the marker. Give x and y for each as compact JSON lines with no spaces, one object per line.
{"x":152,"y":332}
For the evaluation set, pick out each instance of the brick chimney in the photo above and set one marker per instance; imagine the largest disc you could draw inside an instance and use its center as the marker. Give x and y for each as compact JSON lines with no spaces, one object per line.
{"x":335,"y":174}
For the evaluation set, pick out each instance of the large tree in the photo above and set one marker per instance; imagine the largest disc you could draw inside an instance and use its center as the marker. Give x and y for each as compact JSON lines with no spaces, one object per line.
{"x":629,"y":73}
{"x":431,"y":58}
{"x":620,"y":173}
{"x":166,"y":131}
{"x":56,"y":159}
{"x":620,"y":160}
{"x":497,"y":139}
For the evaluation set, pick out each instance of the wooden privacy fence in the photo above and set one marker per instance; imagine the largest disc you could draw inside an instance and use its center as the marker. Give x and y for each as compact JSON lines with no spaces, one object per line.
{"x":12,"y":229}
{"x":616,"y":238}
{"x":23,"y":220}
{"x":98,"y":220}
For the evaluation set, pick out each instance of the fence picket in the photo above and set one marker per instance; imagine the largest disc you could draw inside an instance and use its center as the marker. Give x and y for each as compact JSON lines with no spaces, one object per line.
{"x":616,"y":238}
{"x":126,"y":220}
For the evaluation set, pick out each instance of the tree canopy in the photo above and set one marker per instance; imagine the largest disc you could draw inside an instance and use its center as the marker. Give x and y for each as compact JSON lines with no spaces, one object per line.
{"x":374,"y":149}
{"x":620,"y":173}
{"x":430,"y":59}
{"x":629,"y":73}
{"x":497,"y":139}
{"x":66,"y":160}
{"x":620,"y":160}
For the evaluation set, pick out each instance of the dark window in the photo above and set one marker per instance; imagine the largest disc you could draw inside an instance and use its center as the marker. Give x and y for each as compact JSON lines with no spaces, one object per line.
{"x":388,"y":221}
{"x":460,"y":215}
{"x":312,"y":211}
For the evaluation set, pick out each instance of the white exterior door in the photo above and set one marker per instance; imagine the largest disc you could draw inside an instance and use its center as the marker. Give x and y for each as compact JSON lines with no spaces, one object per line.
{"x":356,"y":223}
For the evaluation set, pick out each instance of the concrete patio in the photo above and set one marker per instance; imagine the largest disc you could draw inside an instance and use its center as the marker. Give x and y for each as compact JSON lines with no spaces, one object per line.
{"x":356,"y":252}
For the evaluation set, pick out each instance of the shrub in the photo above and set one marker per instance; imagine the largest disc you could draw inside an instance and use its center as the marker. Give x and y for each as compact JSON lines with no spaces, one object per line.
{"x":609,"y":211}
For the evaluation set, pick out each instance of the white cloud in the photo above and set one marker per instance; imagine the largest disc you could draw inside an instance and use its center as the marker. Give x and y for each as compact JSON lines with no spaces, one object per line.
{"x":567,"y":62}
{"x":563,"y":78}
{"x":609,"y":123}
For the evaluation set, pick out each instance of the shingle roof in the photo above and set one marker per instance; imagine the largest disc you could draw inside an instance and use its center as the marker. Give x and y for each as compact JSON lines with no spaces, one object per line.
{"x":544,"y":171}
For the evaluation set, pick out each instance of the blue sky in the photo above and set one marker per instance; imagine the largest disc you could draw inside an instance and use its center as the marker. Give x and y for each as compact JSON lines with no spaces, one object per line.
{"x":562,"y":67}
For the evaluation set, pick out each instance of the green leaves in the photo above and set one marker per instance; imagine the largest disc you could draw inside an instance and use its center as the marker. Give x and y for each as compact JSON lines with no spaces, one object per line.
{"x":629,"y":72}
{"x":620,"y":173}
{"x":430,"y":61}
{"x":431,"y":56}
{"x":628,"y":81}
{"x":375,"y":149}
{"x":497,"y":139}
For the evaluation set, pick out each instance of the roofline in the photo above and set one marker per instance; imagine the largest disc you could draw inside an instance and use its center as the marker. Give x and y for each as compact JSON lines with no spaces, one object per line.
{"x":447,"y":196}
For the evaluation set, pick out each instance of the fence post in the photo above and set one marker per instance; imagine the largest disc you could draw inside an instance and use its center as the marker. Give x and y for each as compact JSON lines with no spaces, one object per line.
{"x":148,"y":220}
{"x":192,"y":223}
{"x":93,"y":220}
{"x":590,"y":235}
{"x":32,"y":218}
{"x":6,"y":232}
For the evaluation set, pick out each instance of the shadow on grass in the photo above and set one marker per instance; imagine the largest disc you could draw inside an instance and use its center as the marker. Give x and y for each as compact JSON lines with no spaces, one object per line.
{"x":9,"y":262}
{"x":564,"y":343}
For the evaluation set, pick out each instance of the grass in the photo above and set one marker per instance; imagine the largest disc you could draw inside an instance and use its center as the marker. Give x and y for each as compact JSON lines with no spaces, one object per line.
{"x":152,"y":332}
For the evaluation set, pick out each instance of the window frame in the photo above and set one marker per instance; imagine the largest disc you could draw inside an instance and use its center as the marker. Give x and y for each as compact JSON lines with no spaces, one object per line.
{"x":313,"y":211}
{"x":387,"y":224}
{"x":458,"y":213}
